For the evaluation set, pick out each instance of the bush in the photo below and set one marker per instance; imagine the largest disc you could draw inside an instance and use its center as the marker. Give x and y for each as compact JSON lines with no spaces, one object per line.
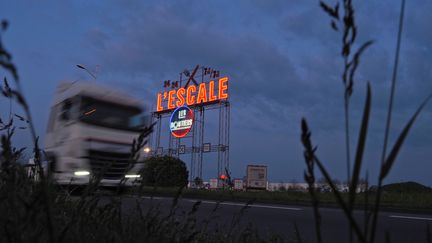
{"x":165,"y":171}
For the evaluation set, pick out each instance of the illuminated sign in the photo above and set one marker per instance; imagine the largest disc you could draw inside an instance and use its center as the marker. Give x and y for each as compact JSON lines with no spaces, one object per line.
{"x":181,"y":121}
{"x":193,"y":95}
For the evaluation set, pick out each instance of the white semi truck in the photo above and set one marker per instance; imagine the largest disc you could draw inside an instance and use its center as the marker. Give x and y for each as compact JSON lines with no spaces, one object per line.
{"x":90,"y":133}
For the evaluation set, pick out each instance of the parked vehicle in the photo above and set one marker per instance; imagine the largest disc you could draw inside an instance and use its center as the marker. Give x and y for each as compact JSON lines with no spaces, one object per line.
{"x":238,"y":184}
{"x":256,"y":177}
{"x":90,"y":133}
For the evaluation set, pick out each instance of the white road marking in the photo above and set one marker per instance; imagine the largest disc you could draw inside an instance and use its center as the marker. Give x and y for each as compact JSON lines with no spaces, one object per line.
{"x":252,"y":205}
{"x":409,"y":217}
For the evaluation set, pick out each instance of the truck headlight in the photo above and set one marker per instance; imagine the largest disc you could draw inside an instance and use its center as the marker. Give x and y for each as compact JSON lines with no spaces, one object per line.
{"x":81,"y":173}
{"x":132,"y":176}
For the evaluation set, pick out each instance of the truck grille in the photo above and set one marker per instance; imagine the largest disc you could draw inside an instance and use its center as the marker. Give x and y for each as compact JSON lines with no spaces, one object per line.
{"x":108,"y":165}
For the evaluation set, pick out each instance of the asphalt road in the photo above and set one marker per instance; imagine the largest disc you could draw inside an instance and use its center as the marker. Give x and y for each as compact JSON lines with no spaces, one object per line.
{"x":280,"y":219}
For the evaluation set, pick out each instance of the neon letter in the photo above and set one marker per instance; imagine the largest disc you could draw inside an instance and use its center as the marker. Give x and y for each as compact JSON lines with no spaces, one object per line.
{"x":180,"y":97}
{"x":202,"y":93}
{"x":190,"y":99}
{"x":223,"y":87}
{"x":212,"y":96}
{"x":171,"y":99}
{"x":159,"y":103}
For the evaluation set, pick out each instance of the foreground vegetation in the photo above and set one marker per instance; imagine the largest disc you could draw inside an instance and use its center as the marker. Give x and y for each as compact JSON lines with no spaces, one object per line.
{"x":343,"y":21}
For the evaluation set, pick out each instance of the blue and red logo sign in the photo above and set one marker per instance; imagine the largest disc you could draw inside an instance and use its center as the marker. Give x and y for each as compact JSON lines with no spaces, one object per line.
{"x":181,"y":121}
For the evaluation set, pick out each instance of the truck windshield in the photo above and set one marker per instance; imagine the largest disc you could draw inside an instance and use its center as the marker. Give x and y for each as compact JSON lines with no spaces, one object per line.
{"x":112,"y":115}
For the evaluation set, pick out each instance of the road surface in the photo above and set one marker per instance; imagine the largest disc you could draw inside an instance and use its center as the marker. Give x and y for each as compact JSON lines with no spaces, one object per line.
{"x":280,"y":219}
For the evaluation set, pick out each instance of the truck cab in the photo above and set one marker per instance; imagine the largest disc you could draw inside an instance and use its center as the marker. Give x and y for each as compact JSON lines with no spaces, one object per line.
{"x":90,"y":133}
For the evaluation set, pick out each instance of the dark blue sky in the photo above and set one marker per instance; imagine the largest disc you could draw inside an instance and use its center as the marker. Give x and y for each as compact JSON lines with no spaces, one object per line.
{"x":282,"y":57}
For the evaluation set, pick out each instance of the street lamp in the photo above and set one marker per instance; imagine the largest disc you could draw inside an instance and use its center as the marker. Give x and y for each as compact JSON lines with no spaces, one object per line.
{"x":82,"y":67}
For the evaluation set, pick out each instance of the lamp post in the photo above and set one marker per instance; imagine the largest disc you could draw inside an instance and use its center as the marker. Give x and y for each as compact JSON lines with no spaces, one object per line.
{"x":82,"y":67}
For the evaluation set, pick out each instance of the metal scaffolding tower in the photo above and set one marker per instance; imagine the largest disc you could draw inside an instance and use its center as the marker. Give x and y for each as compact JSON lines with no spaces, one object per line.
{"x":194,"y":143}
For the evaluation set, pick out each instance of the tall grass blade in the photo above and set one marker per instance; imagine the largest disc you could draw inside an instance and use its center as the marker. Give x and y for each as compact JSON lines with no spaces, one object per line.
{"x":355,"y":62}
{"x":388,"y":120}
{"x":340,"y":201}
{"x":366,"y":206}
{"x":393,"y":84}
{"x":297,"y":234}
{"x":399,"y":142}
{"x":387,"y":237}
{"x":360,"y":147}
{"x":235,"y":221}
{"x":309,"y":175}
{"x":332,"y":12}
{"x":428,"y":234}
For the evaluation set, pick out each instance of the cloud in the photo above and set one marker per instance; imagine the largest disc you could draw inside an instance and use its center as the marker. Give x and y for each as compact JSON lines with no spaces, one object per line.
{"x":161,"y":43}
{"x":302,"y":73}
{"x":284,"y":61}
{"x":282,"y":57}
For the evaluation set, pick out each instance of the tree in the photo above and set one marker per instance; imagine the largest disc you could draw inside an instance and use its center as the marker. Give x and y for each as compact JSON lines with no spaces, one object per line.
{"x":164,"y":171}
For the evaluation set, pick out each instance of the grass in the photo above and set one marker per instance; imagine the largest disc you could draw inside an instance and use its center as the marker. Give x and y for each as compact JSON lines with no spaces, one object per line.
{"x":93,"y":217}
{"x":343,"y":21}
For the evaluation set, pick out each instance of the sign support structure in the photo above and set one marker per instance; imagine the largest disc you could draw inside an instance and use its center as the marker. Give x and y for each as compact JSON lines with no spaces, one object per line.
{"x":203,"y":91}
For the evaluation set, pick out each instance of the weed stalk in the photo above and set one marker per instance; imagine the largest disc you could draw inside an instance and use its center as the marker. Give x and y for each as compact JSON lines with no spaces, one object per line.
{"x":388,"y":121}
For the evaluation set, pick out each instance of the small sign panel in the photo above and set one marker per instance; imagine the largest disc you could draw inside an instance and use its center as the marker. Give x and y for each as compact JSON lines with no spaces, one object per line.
{"x":182,"y":149}
{"x":181,"y":121}
{"x":206,"y":147}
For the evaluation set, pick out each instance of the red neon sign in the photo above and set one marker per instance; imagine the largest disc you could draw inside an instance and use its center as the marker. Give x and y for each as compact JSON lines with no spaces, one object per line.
{"x":193,"y":95}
